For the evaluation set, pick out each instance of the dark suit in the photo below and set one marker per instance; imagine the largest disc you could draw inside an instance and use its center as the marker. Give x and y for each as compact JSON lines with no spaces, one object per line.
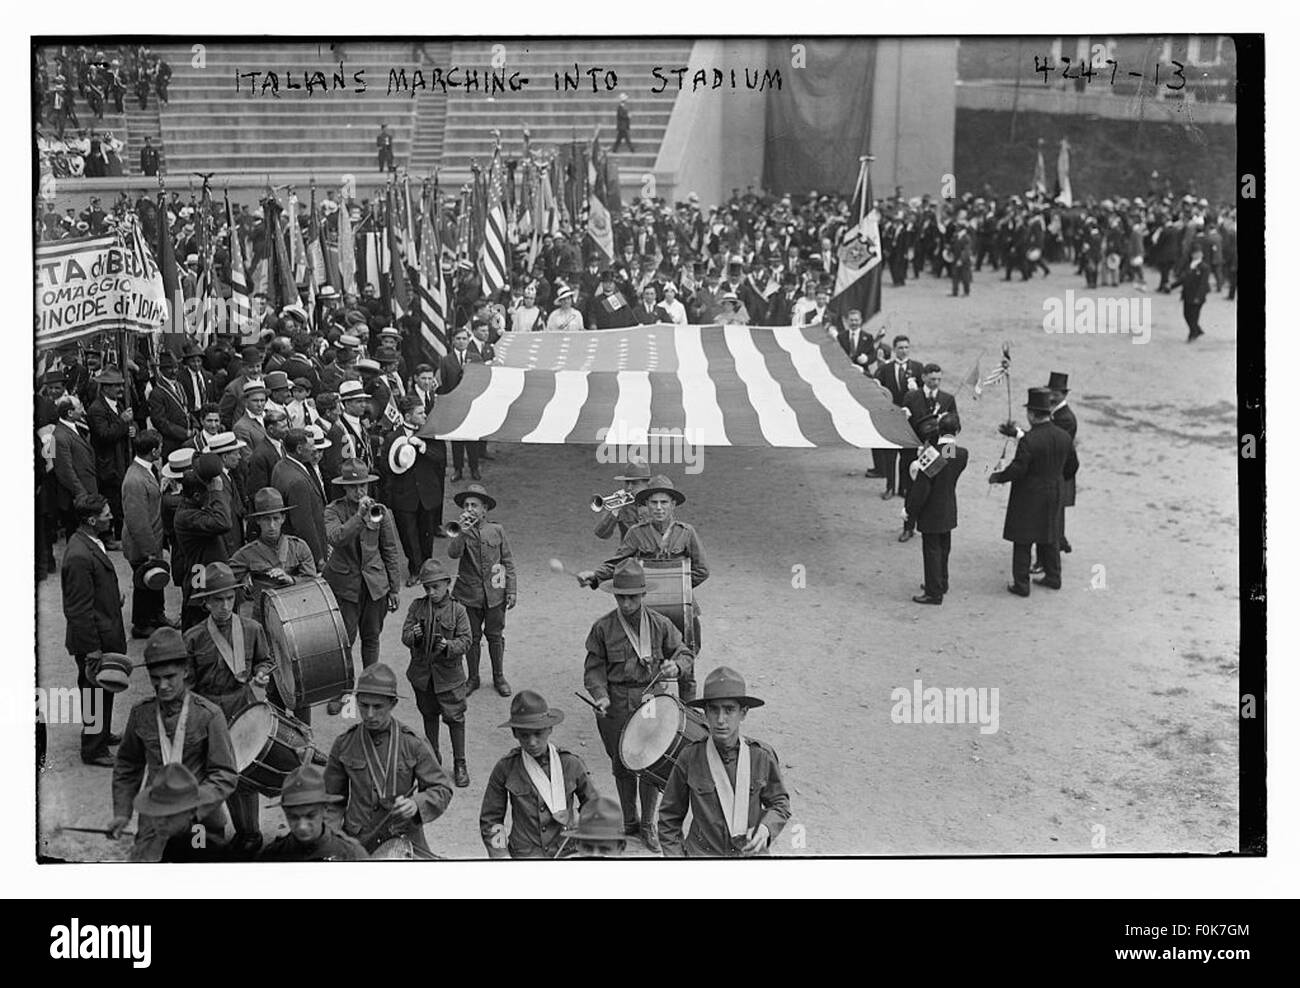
{"x":142,"y":539}
{"x":416,"y":498}
{"x":196,"y":393}
{"x":932,"y":508}
{"x":169,"y":416}
{"x":304,"y":497}
{"x":1064,"y":418}
{"x":1044,"y":458}
{"x":201,"y":535}
{"x":74,"y":470}
{"x":450,"y":373}
{"x":865,"y":348}
{"x":261,"y":464}
{"x":92,"y":611}
{"x":895,"y":378}
{"x":109,"y":436}
{"x":362,"y":571}
{"x":1195,"y":284}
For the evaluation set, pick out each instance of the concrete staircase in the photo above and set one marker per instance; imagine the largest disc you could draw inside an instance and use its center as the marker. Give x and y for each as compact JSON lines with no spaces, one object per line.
{"x":430,"y":115}
{"x":210,"y":125}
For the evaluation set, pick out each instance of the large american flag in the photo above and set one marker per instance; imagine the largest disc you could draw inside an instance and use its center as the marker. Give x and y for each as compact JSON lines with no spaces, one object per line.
{"x":714,"y":385}
{"x":492,"y":259}
{"x":430,"y":288}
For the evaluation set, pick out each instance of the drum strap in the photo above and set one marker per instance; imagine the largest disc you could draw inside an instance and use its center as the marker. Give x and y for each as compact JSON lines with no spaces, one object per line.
{"x":232,"y":652}
{"x":640,"y":642}
{"x":734,"y":799}
{"x":382,"y":772}
{"x":549,"y":787}
{"x":666,"y":537}
{"x":173,"y":749}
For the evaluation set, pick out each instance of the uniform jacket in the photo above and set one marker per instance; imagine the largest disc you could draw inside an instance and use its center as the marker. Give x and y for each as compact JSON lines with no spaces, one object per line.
{"x":361,"y":556}
{"x":691,"y":786}
{"x":332,"y":846}
{"x":142,"y":527}
{"x":1044,"y":457}
{"x":304,"y":497}
{"x":207,"y":752}
{"x":481,"y":550}
{"x":92,"y":605}
{"x":642,"y":542}
{"x":441,"y":669}
{"x":253,"y":559}
{"x":534,"y":833}
{"x":932,"y":501}
{"x":212,"y":678}
{"x":74,"y":465}
{"x":612,"y":668}
{"x":169,"y":415}
{"x":346,"y":775}
{"x":110,"y":439}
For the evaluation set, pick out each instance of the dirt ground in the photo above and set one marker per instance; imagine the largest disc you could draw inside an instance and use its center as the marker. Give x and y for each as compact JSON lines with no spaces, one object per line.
{"x":1117,"y":693}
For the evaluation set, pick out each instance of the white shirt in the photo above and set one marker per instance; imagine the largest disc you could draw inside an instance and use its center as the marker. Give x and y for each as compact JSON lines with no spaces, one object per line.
{"x":145,"y":463}
{"x":676,"y":312}
{"x":526,"y":319}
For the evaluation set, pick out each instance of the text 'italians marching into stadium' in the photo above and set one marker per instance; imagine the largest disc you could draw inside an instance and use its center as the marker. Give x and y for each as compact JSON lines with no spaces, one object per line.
{"x":490,"y":81}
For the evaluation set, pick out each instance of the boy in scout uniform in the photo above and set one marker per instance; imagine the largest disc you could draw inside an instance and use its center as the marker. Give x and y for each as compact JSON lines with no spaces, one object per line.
{"x":627,"y":649}
{"x":174,"y":725}
{"x":599,"y":833}
{"x":485,"y":581}
{"x":539,"y":781}
{"x":168,"y":811}
{"x":274,"y":559}
{"x":731,"y":784}
{"x":634,"y":481}
{"x":387,"y":774}
{"x":436,"y":630}
{"x":310,"y":837}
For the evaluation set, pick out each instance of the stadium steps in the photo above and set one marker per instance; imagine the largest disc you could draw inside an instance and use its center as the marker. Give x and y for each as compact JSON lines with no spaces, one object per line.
{"x":430,"y":116}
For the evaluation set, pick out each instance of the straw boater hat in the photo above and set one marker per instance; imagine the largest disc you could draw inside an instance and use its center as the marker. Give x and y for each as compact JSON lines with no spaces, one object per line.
{"x":328,"y":291}
{"x":349,"y":390}
{"x":354,"y":472}
{"x":475,"y":490}
{"x":174,"y":789}
{"x":317,"y":436}
{"x":152,"y":574}
{"x":600,"y":819}
{"x":225,"y":442}
{"x":114,"y":672}
{"x":636,"y":470}
{"x":217,"y":578}
{"x":377,"y":680}
{"x":267,"y":501}
{"x":432,"y":571}
{"x":368,"y":365}
{"x":305,"y":786}
{"x":164,"y":647}
{"x":659,"y":484}
{"x":529,"y":711}
{"x":563,"y":293}
{"x":402,"y":454}
{"x":348,"y":341}
{"x":724,"y":683}
{"x":252,"y":387}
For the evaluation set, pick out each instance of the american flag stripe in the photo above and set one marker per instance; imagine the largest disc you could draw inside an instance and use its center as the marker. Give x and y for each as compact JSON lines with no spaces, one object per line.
{"x":776,"y":418}
{"x":831,"y":389}
{"x":666,"y":408}
{"x":810,"y":411}
{"x":700,"y":406}
{"x":559,"y":415}
{"x":602,"y":393}
{"x":630,"y":421}
{"x":740,"y":421}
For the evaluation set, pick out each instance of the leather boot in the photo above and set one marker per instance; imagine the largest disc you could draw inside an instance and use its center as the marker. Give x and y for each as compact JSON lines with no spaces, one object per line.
{"x":462,"y":773}
{"x":627,"y":800}
{"x":649,"y":816}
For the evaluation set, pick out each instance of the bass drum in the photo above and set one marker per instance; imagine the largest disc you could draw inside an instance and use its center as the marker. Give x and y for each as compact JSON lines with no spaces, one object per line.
{"x":309,"y":643}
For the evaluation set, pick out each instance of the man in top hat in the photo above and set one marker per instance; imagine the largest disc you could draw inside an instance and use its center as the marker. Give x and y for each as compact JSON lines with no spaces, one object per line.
{"x":1044,"y":458}
{"x":662,"y":536}
{"x":229,"y":654}
{"x":362,"y":569}
{"x":635,"y":480}
{"x":92,"y":611}
{"x":540,"y":782}
{"x":598,"y":832}
{"x":628,"y":649}
{"x":391,"y":782}
{"x":142,"y":530}
{"x":311,"y":836}
{"x":730,"y":784}
{"x":250,"y":428}
{"x":415,"y":470}
{"x":168,"y":810}
{"x":167,"y":409}
{"x":112,"y":427}
{"x":274,"y":559}
{"x":486,"y":582}
{"x":301,"y":484}
{"x":931,"y":507}
{"x":173,"y":726}
{"x":436,"y":630}
{"x":1064,"y":418}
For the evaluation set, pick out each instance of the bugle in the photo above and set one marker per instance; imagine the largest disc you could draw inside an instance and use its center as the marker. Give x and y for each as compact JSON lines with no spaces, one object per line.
{"x":621,"y":498}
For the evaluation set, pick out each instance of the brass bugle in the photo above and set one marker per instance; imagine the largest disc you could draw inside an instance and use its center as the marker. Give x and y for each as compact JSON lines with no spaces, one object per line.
{"x":621,"y":498}
{"x":455,"y":528}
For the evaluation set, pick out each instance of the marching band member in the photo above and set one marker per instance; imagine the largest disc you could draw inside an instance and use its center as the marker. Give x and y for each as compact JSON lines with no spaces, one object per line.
{"x":628,"y":649}
{"x":485,"y":581}
{"x":311,"y":837}
{"x":539,"y":781}
{"x":169,"y":812}
{"x":634,"y":481}
{"x":599,"y":833}
{"x":730,"y":784}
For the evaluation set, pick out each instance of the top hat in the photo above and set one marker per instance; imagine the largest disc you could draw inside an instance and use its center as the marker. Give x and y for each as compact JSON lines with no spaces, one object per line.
{"x":267,"y":501}
{"x":432,"y":571}
{"x":659,"y":484}
{"x":629,"y":579}
{"x":1040,"y":400}
{"x":600,"y":819}
{"x":1056,"y":381}
{"x":114,"y":672}
{"x":110,"y":375}
{"x":305,"y":786}
{"x":724,"y":683}
{"x":474,"y":490}
{"x":636,"y":470}
{"x":174,"y":790}
{"x":377,"y":680}
{"x":529,"y":711}
{"x":354,"y":471}
{"x":217,"y":578}
{"x":165,"y":646}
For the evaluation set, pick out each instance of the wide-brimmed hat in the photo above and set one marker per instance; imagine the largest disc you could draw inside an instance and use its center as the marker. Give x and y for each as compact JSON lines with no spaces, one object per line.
{"x":636,"y":470}
{"x":600,"y":819}
{"x":174,"y":789}
{"x":1040,"y":400}
{"x":164,"y":646}
{"x":305,"y":786}
{"x":386,"y":355}
{"x":354,"y":471}
{"x":724,"y":683}
{"x":152,"y":574}
{"x":1056,"y":381}
{"x":225,"y":442}
{"x":276,"y":380}
{"x":629,"y":579}
{"x":217,"y":578}
{"x":114,"y":672}
{"x":267,"y":501}
{"x":529,"y":711}
{"x":475,"y":490}
{"x":110,"y":375}
{"x":432,"y":570}
{"x":402,"y":454}
{"x":659,"y":484}
{"x":349,"y":390}
{"x":377,"y":680}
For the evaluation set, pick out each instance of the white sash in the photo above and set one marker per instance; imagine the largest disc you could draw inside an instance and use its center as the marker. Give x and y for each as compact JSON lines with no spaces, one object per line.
{"x":551,"y":788}
{"x":734,"y":800}
{"x":231,"y":651}
{"x":640,"y":641}
{"x":173,"y":750}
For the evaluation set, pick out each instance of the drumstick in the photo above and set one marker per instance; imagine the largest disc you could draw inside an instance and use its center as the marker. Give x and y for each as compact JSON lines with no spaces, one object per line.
{"x":102,"y":831}
{"x":591,"y":703}
{"x":558,"y":566}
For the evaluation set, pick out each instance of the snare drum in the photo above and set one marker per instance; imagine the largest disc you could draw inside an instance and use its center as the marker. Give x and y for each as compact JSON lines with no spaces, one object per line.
{"x":269,"y":744}
{"x":668,"y":590}
{"x":654,"y":736}
{"x":401,"y":849}
{"x":309,"y":643}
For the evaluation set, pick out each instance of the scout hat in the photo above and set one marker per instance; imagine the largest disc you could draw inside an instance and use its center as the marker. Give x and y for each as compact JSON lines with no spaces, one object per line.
{"x":600,"y":819}
{"x":152,"y":574}
{"x":529,"y":711}
{"x":305,"y":786}
{"x":724,"y":683}
{"x":402,"y":454}
{"x":110,"y":376}
{"x":1040,"y":400}
{"x":354,"y":472}
{"x":173,"y":790}
{"x":629,"y":579}
{"x":377,"y":680}
{"x":475,"y":490}
{"x":165,"y":646}
{"x":432,"y":571}
{"x":352,"y":389}
{"x":225,"y":442}
{"x":659,"y":484}
{"x":267,"y":501}
{"x":217,"y":578}
{"x":636,"y":470}
{"x":1056,"y":381}
{"x":114,"y":671}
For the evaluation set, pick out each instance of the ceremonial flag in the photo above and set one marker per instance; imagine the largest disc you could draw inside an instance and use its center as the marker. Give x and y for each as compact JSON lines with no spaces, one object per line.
{"x":280,"y":287}
{"x":492,"y":258}
{"x":430,"y":287}
{"x":857,"y":281}
{"x":297,"y":248}
{"x":167,"y":263}
{"x":241,"y":308}
{"x":317,"y":269}
{"x":972,"y":380}
{"x":599,"y":226}
{"x":1063,"y":193}
{"x":705,"y":385}
{"x":399,"y":295}
{"x":347,"y":250}
{"x":1040,"y":173}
